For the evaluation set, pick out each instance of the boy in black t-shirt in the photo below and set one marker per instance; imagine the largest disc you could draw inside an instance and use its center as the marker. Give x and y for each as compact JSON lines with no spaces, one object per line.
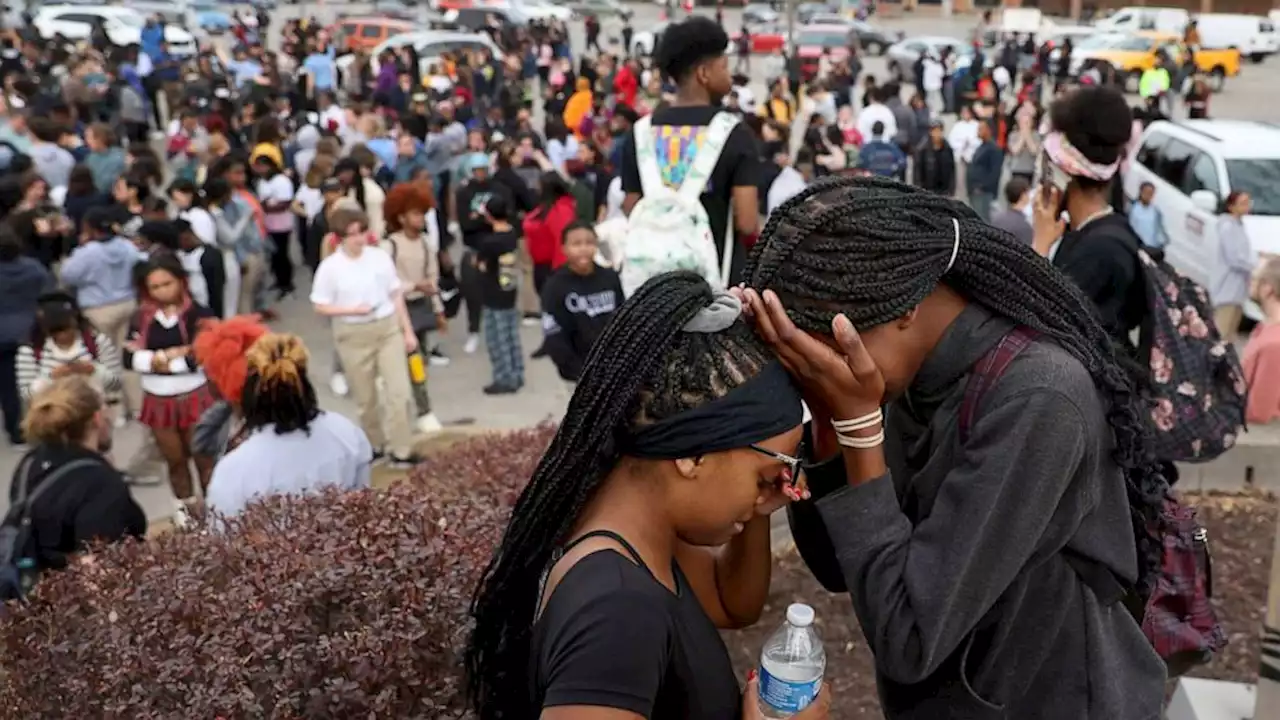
{"x":499,"y":280}
{"x":702,"y":80}
{"x":578,"y":301}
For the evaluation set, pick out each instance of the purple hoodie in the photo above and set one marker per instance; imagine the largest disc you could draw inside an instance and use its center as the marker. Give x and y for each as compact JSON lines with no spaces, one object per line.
{"x":387,"y":79}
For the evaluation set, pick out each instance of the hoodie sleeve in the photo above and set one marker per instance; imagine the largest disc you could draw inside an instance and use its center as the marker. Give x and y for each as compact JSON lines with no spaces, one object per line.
{"x":78,"y":266}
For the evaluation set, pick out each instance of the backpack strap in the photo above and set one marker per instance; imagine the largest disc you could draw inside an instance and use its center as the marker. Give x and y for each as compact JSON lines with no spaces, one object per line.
{"x":704,"y":163}
{"x":26,"y":499}
{"x":89,"y":337}
{"x":647,"y":156}
{"x":989,"y":368}
{"x":986,"y":372}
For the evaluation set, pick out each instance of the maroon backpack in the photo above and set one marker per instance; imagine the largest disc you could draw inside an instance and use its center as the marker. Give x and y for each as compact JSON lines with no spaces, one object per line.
{"x":1177,"y":618}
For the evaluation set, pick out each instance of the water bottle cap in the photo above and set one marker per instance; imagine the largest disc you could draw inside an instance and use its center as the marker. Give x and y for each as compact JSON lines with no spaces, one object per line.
{"x":800,"y":615}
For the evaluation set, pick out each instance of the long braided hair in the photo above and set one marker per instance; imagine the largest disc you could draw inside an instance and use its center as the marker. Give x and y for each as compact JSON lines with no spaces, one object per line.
{"x":641,"y":369}
{"x":873,"y":249}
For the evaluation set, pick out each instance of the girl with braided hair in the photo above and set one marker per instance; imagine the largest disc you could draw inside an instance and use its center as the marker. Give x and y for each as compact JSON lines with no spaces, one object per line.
{"x":988,"y":520}
{"x":646,"y":524}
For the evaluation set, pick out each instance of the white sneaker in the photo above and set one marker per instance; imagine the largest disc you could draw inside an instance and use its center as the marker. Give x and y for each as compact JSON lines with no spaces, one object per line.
{"x":473,"y":344}
{"x":438,"y":359}
{"x":429,"y":423}
{"x":338,"y":384}
{"x":181,"y":515}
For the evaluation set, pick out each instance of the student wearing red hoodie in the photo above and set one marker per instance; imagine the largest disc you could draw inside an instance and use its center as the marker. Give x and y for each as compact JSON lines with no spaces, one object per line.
{"x":544,"y":227}
{"x":627,"y":83}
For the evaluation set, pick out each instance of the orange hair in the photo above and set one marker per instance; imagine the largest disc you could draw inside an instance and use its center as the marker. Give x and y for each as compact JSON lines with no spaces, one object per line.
{"x":220,"y":348}
{"x":407,"y":197}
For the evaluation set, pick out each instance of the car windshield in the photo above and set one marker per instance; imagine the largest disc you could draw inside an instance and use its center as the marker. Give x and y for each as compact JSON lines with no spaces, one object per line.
{"x":1260,"y":178}
{"x":130,"y":20}
{"x":1131,"y":44}
{"x":1092,"y":42}
{"x":823,"y":39}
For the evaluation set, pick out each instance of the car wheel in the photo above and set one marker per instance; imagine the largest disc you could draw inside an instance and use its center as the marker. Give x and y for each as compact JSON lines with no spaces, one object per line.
{"x":874,"y":48}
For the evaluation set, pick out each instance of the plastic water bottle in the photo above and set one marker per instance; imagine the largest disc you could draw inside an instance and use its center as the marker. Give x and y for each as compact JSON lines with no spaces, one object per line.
{"x":791,"y":665}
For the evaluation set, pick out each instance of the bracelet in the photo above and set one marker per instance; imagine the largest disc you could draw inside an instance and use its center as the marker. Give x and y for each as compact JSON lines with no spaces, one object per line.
{"x":865,"y":422}
{"x":861,"y":443}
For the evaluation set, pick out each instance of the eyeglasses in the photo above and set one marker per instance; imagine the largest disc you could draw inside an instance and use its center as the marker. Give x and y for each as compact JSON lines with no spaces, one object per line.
{"x":793,"y":464}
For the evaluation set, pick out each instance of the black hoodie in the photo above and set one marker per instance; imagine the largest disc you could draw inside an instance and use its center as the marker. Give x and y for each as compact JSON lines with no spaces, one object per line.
{"x":472,"y":196}
{"x":89,"y":503}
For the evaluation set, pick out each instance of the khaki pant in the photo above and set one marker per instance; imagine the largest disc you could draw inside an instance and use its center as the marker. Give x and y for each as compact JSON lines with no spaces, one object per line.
{"x":1228,"y":318}
{"x":369,"y":351}
{"x":254,"y":266}
{"x":113,"y":321}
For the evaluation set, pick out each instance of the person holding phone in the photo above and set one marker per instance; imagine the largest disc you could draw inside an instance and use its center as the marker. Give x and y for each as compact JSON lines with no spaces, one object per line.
{"x":1089,"y":131}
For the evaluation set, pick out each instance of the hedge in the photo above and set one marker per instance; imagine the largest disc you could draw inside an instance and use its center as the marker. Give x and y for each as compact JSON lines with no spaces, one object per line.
{"x":337,"y":605}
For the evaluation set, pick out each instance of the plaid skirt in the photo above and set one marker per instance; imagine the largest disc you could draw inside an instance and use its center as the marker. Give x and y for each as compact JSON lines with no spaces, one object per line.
{"x":175,"y":412}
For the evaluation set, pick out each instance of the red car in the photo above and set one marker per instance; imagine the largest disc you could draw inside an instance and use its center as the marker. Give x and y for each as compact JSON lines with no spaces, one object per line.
{"x":814,"y":42}
{"x":764,"y":41}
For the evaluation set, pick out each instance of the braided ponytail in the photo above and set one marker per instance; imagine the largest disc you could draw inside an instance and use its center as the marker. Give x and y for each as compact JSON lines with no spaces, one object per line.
{"x":873,"y":249}
{"x":641,"y":369}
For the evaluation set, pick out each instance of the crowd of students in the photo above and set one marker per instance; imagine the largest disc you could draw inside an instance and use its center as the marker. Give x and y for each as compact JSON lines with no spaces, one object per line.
{"x":136,"y":286}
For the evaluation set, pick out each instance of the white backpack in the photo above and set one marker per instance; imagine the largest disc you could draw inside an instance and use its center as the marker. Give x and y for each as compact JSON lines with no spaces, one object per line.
{"x":669,"y":229}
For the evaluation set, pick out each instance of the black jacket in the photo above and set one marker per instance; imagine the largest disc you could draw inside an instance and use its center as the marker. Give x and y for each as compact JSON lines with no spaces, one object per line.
{"x":935,"y":168}
{"x":90,"y":503}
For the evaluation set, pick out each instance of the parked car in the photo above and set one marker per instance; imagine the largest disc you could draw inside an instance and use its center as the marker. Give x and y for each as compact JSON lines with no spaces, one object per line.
{"x":815,"y":41}
{"x":599,"y":8}
{"x":428,"y":44}
{"x":1132,"y":54}
{"x":758,"y":14}
{"x":363,"y":32}
{"x":806,"y":11}
{"x":1194,"y":165}
{"x":477,"y":18}
{"x":214,"y":22}
{"x":542,"y":10}
{"x":124,"y":26}
{"x":1253,"y":35}
{"x":764,"y":40}
{"x":904,"y":53}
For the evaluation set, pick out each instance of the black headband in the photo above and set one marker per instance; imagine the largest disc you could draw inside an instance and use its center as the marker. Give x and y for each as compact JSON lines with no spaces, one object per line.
{"x":762,"y":407}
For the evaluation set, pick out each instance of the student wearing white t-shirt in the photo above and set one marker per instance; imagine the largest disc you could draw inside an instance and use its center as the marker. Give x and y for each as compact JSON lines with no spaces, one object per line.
{"x":275,"y":192}
{"x":358,"y":287}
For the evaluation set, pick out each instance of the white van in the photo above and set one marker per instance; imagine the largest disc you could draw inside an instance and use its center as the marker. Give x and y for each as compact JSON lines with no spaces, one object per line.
{"x":1194,"y":165}
{"x":1253,"y":35}
{"x":1134,"y":19}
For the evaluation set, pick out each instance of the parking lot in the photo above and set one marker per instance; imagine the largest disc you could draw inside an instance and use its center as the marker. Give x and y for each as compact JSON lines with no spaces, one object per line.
{"x":1249,"y":96}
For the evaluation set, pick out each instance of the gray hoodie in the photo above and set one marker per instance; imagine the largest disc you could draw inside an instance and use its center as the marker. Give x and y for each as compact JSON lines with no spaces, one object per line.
{"x":308,"y":138}
{"x":52,"y":163}
{"x":955,"y":557}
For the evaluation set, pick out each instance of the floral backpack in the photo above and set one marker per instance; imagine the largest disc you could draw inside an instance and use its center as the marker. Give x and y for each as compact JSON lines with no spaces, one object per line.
{"x":1197,"y":387}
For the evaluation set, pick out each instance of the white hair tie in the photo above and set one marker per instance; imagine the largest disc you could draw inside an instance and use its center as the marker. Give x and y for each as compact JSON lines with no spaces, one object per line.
{"x":955,"y":246}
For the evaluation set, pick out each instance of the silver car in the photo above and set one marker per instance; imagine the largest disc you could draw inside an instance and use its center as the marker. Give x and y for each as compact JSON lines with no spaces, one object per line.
{"x":599,"y":8}
{"x":902,"y":55}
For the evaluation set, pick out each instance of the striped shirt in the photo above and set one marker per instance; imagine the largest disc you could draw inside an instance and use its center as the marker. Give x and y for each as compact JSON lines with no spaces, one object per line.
{"x":34,"y":375}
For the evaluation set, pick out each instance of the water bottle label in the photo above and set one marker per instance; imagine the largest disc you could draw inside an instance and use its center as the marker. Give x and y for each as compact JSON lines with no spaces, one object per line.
{"x":789,"y":697}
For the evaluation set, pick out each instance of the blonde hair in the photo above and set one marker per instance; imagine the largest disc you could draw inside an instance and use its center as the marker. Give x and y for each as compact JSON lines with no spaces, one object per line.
{"x":63,"y":413}
{"x":1269,"y":272}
